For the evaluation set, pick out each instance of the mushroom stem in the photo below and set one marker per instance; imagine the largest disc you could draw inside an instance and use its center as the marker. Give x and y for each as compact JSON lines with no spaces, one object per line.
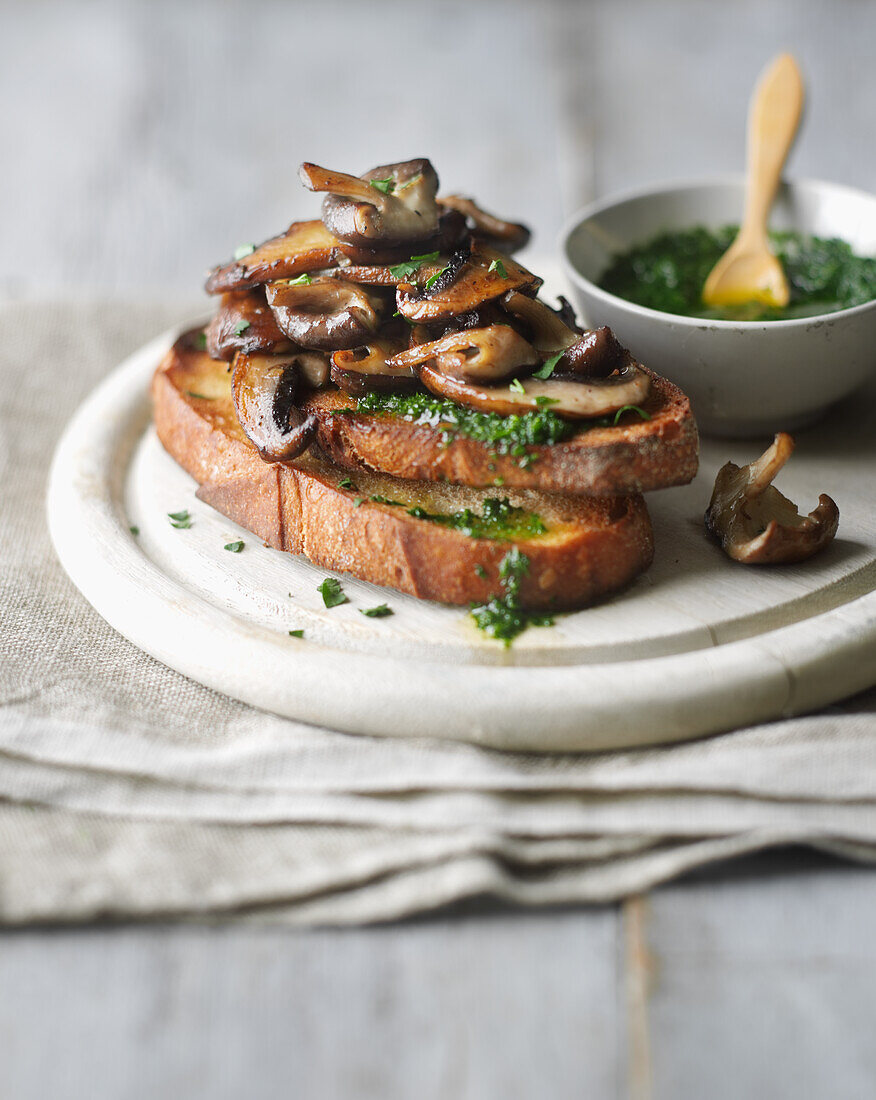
{"x":550,"y":333}
{"x":316,"y":178}
{"x":762,"y":472}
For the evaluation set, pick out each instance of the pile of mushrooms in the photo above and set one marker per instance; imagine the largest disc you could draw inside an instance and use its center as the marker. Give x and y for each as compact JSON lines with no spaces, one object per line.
{"x":396,"y":290}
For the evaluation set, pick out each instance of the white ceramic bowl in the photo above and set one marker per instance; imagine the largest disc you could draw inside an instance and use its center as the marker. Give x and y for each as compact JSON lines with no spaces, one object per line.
{"x":746,"y":378}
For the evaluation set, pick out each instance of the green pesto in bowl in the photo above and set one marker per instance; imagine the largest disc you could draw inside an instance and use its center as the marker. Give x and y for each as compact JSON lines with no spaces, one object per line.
{"x":668,"y":272}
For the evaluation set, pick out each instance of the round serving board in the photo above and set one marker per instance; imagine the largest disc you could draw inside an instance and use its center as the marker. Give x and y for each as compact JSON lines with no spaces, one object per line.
{"x":696,"y":645}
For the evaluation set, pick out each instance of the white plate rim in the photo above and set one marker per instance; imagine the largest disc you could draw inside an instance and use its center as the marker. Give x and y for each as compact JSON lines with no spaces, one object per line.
{"x":621,"y":704}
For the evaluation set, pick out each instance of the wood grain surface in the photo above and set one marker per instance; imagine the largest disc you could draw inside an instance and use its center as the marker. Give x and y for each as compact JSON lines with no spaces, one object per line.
{"x":143,"y":141}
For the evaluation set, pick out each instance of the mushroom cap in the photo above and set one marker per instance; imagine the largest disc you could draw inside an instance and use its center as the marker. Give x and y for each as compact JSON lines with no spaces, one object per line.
{"x":390,"y":204}
{"x":473,"y":354}
{"x":266,"y":390}
{"x":368,"y":369}
{"x":758,"y":525}
{"x":493,"y":231}
{"x":244,"y":322}
{"x":480,"y":277}
{"x":305,"y":247}
{"x":572,"y":400}
{"x":325,"y":313}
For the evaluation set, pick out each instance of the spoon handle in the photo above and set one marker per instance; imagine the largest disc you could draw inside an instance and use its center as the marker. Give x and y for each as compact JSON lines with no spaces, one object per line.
{"x":776,"y":107}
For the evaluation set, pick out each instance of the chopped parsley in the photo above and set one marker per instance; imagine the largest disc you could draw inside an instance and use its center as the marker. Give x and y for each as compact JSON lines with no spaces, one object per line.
{"x":379,"y":612}
{"x":630,"y":408}
{"x":200,"y":396}
{"x":234,"y":547}
{"x":135,"y":531}
{"x":300,"y":280}
{"x":241,"y":327}
{"x":332,"y":593}
{"x":243,"y":250}
{"x":412,"y":266}
{"x":358,"y":501}
{"x":345,"y":483}
{"x":500,"y":520}
{"x":480,"y":571}
{"x":547,"y":368}
{"x":202,"y":341}
{"x":181,"y":520}
{"x":296,"y":633}
{"x":499,"y":268}
{"x":433,"y":279}
{"x":517,"y":386}
{"x":385,"y":187}
{"x":502,"y":616}
{"x":378,"y":499}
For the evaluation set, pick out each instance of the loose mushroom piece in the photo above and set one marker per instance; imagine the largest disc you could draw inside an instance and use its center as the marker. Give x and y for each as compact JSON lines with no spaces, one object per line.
{"x":368,"y":369}
{"x":243,"y":322}
{"x":755,"y":523}
{"x":304,"y":247}
{"x":324,"y":313}
{"x":390,"y":204}
{"x":573,"y":400}
{"x":509,"y":236}
{"x":475,"y":355}
{"x":484,"y":276}
{"x":267,"y":390}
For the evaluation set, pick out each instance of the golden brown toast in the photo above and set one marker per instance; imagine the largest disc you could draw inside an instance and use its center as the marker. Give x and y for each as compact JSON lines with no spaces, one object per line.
{"x":592,"y":545}
{"x":635,"y":456}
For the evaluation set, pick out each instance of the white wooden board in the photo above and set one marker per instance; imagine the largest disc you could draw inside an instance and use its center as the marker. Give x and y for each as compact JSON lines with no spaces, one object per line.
{"x":696,"y":645}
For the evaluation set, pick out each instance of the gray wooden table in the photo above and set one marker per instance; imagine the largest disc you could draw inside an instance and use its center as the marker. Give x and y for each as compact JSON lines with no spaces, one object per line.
{"x":142,"y":141}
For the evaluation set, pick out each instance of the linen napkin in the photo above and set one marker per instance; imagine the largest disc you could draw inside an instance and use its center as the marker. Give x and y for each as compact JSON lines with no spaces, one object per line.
{"x":127,"y":790}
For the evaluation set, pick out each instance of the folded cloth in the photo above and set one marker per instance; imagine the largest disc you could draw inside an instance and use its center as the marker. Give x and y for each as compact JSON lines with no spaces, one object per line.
{"x":127,"y":790}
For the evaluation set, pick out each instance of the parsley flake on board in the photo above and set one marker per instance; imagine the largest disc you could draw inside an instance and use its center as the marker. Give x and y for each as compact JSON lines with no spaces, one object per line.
{"x":243,"y":250}
{"x":332,"y":593}
{"x":547,"y":368}
{"x":296,"y":633}
{"x":135,"y":531}
{"x":241,"y":327}
{"x":385,"y":187}
{"x":181,"y":520}
{"x":234,"y":547}
{"x":499,"y":268}
{"x":379,"y":612}
{"x":413,"y":265}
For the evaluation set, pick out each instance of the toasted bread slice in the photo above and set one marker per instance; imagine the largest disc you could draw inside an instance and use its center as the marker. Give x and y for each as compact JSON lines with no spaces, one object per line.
{"x":633,"y":457}
{"x":592,"y":546}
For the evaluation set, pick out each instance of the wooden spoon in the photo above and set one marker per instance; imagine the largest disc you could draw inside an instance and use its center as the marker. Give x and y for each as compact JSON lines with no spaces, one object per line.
{"x":748,"y":271}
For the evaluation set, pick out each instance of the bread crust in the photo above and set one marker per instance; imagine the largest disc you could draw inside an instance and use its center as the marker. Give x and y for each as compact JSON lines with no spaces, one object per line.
{"x":594,"y":546}
{"x":634,"y":457}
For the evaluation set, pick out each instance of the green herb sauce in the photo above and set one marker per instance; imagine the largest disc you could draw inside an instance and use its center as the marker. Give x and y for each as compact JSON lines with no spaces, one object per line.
{"x":502,"y":617}
{"x":668,"y":274}
{"x":500,"y":520}
{"x":506,"y":435}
